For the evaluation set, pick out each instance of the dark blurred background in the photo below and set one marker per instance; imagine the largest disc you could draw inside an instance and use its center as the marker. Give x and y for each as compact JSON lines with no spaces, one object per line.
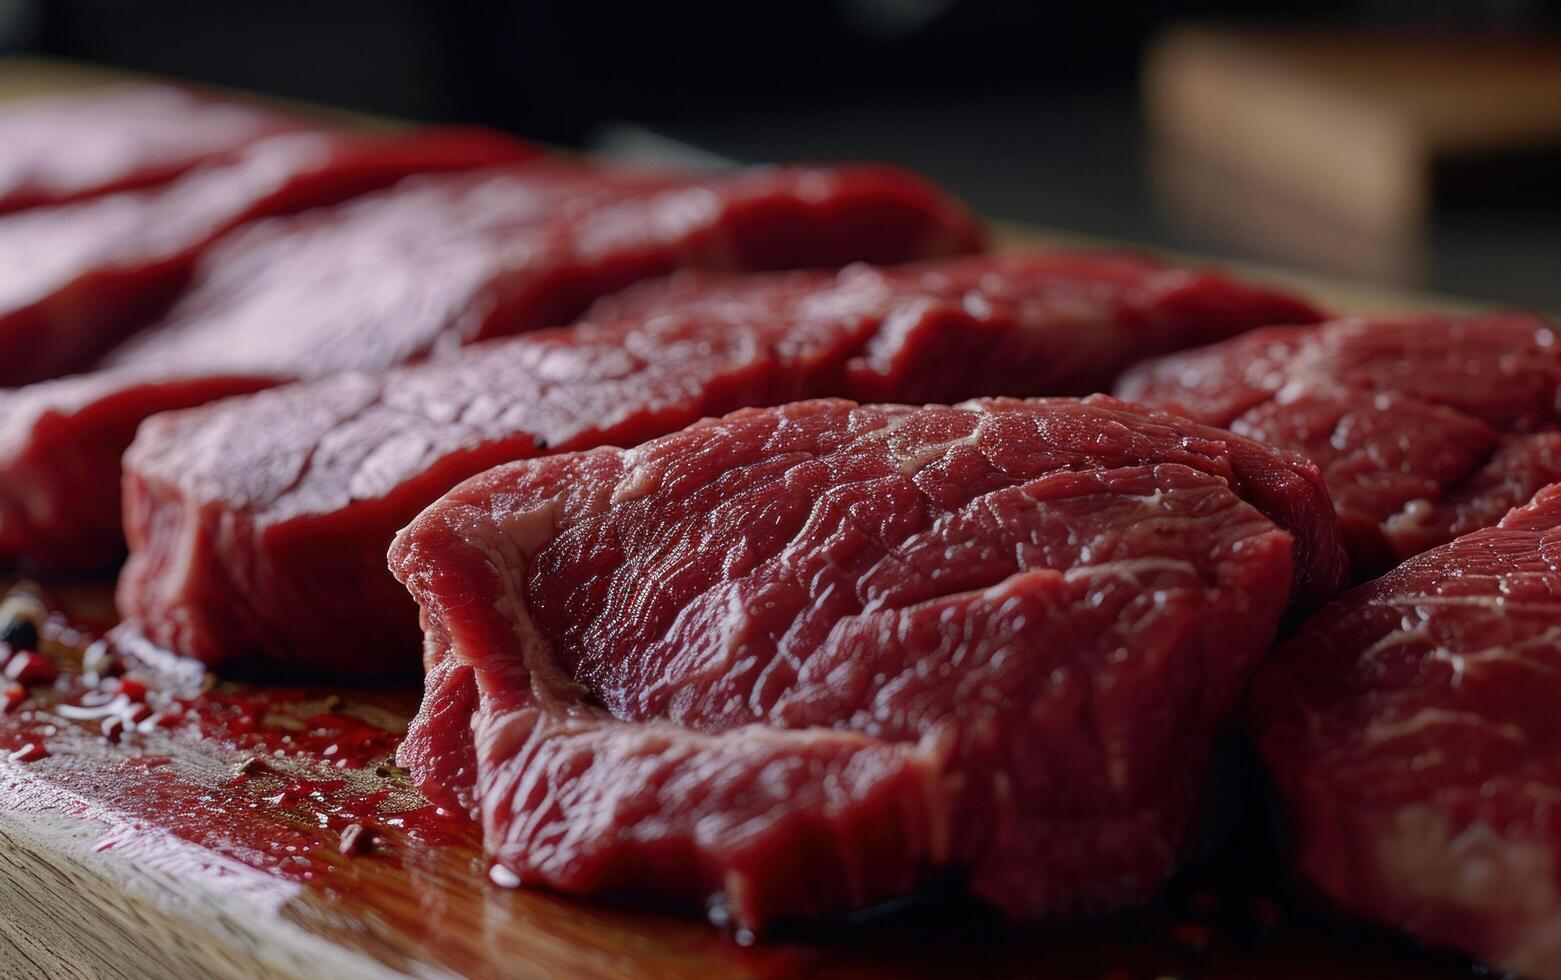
{"x":1344,"y":160}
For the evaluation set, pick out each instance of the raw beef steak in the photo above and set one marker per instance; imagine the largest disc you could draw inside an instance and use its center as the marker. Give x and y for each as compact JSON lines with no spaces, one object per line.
{"x":63,"y":148}
{"x":1425,"y":427}
{"x":258,"y":526}
{"x":1052,"y":323}
{"x":1413,"y":731}
{"x":794,"y":661}
{"x":439,"y":262}
{"x":417,"y":270}
{"x":80,"y":277}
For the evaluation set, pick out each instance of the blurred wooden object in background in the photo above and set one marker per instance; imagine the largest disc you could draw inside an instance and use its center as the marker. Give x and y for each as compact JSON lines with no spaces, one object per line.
{"x":1352,"y":134}
{"x":1242,"y":214}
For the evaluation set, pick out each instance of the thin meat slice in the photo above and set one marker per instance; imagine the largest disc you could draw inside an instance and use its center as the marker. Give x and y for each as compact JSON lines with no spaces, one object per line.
{"x":1425,"y":427}
{"x":1412,"y":731}
{"x":794,"y":661}
{"x":81,"y":277}
{"x":1055,"y":323}
{"x":439,"y":262}
{"x":60,"y":148}
{"x":417,"y":271}
{"x":258,"y":526}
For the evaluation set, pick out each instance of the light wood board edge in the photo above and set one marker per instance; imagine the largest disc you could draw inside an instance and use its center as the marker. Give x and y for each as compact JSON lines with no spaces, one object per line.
{"x":71,"y":909}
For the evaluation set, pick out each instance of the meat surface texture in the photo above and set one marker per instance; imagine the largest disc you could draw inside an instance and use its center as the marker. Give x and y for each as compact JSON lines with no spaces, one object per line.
{"x":417,"y":271}
{"x":1412,"y":730}
{"x":66,"y":147}
{"x":794,"y":661}
{"x":82,"y":276}
{"x":258,"y":526}
{"x":1425,"y":427}
{"x":1054,"y":323}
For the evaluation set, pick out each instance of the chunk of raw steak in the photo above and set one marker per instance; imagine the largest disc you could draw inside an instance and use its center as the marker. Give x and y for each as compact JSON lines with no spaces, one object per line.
{"x":1051,"y":323}
{"x":1425,"y":427}
{"x":1413,"y":731}
{"x":61,"y":148}
{"x":258,"y":526}
{"x":418,"y":270}
{"x":797,"y":660}
{"x":80,"y":277}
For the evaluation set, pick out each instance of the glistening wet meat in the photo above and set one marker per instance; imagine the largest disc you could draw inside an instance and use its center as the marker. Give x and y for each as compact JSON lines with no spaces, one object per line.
{"x":1425,"y":427}
{"x":258,"y":526}
{"x":1054,"y":323}
{"x":417,"y":271}
{"x":82,"y":276}
{"x":794,"y":661}
{"x":66,"y":147}
{"x":1412,"y":730}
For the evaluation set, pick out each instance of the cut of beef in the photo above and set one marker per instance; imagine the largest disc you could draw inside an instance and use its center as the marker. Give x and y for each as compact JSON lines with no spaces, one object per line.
{"x":63,"y":148}
{"x":1413,"y":733}
{"x":439,"y":262}
{"x":1424,"y":427}
{"x":258,"y":526}
{"x":80,"y":277}
{"x":794,"y":661}
{"x":1056,"y":323}
{"x":418,"y":270}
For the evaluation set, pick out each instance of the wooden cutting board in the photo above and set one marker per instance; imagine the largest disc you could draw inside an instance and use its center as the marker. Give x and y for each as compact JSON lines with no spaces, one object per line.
{"x":201,"y":829}
{"x":194,"y":829}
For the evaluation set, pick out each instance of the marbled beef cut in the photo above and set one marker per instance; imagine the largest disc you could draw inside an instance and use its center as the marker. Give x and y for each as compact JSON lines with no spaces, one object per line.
{"x":258,"y":526}
{"x":80,"y":277}
{"x":793,"y":661}
{"x":1425,"y":427}
{"x":1413,"y":730}
{"x":60,"y":148}
{"x":416,"y":271}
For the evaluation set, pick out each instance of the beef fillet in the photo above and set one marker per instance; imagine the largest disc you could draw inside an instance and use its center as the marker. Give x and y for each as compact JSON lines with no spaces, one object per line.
{"x":1425,"y":427}
{"x":417,"y":271}
{"x":258,"y":526}
{"x":80,"y":277}
{"x":61,"y":148}
{"x":793,"y":661}
{"x":1413,"y":733}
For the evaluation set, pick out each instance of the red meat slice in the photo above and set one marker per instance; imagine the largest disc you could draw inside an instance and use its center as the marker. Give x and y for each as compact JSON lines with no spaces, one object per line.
{"x":794,"y":661}
{"x":418,"y":270}
{"x":258,"y":526}
{"x":80,"y":277}
{"x":1424,"y":427}
{"x":439,"y":262}
{"x":1412,"y":730}
{"x":1056,"y":323}
{"x":63,"y":148}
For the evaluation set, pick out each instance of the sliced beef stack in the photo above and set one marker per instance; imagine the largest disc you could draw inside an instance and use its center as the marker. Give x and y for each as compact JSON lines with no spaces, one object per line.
{"x":1425,"y":427}
{"x":258,"y":526}
{"x":67,"y":147}
{"x":1413,"y":731}
{"x":792,"y":661}
{"x":796,"y":660}
{"x":81,"y":277}
{"x":419,"y":270}
{"x":1054,"y":323}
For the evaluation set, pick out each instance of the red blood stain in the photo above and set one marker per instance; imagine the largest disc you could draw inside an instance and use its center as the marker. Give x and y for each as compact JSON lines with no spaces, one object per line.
{"x":303,"y":792}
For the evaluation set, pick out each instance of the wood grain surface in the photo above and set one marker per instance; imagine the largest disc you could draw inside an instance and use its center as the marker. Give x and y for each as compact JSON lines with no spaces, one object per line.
{"x":1351,"y":123}
{"x":202,"y":834}
{"x":213,"y":846}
